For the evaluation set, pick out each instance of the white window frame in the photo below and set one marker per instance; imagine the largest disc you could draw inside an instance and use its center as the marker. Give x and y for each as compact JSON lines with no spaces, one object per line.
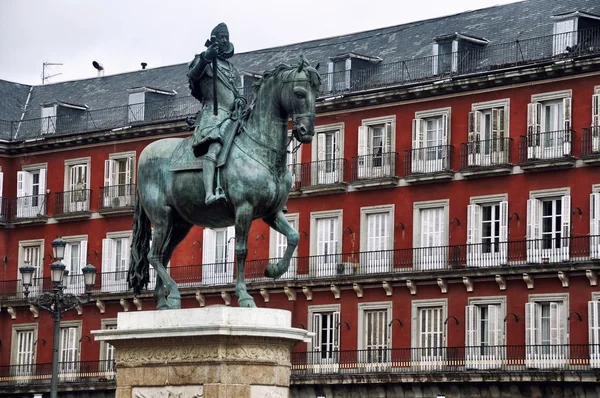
{"x":564,"y":38}
{"x":535,"y":252}
{"x":453,"y":54}
{"x":435,"y":362}
{"x":127,"y":195}
{"x":75,"y":282}
{"x":328,"y":269}
{"x":68,"y":371}
{"x":331,"y":85}
{"x":14,"y":349}
{"x":376,"y":261}
{"x":419,"y":149}
{"x":273,"y":245}
{"x":25,"y":207}
{"x":216,"y":272}
{"x":554,"y":357}
{"x":365,"y":159}
{"x":48,"y":119}
{"x":319,"y":174}
{"x":498,"y":151}
{"x":110,"y":279}
{"x":385,"y":359}
{"x":595,"y":221}
{"x":319,"y":364}
{"x":430,"y":258}
{"x":594,"y":330}
{"x":536,"y":149}
{"x":475,"y":255}
{"x":135,"y":107}
{"x":74,"y":200}
{"x":104,"y":366}
{"x":37,"y":282}
{"x":496,"y":352}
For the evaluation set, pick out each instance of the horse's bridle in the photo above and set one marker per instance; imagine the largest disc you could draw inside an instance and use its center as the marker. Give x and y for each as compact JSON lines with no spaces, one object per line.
{"x":294,"y":114}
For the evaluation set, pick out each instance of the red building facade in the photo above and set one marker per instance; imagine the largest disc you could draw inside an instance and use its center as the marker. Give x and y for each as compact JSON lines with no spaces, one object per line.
{"x":449,"y":221}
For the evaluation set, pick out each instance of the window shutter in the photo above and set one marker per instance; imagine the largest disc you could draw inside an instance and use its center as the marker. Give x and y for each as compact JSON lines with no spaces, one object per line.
{"x":1,"y":184}
{"x":67,"y":258}
{"x":531,"y":312}
{"x":594,"y":332}
{"x":474,"y":138}
{"x":230,"y":245}
{"x":435,"y":58}
{"x":42,"y":194}
{"x":473,"y":339}
{"x":125,"y":249}
{"x":364,"y":163}
{"x":495,"y":134}
{"x":473,"y":235}
{"x":504,"y":232}
{"x":471,"y":133}
{"x":555,"y":337}
{"x":83,"y":253}
{"x":21,"y":183}
{"x":533,"y":129}
{"x":494,"y":325}
{"x":108,"y":172}
{"x":533,"y":230}
{"x":567,"y":113}
{"x":321,"y":147}
{"x":108,"y":264}
{"x":388,"y":137}
{"x":330,"y":77}
{"x":336,"y":331}
{"x":417,"y":145}
{"x":595,"y":225}
{"x":445,"y":129}
{"x":316,"y":326}
{"x":596,"y":110}
{"x":347,"y":73}
{"x":566,"y":225}
{"x":129,"y":171}
{"x":209,"y":242}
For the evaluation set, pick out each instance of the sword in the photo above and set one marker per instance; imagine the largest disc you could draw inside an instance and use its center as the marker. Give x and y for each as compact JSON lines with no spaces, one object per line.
{"x":213,"y":39}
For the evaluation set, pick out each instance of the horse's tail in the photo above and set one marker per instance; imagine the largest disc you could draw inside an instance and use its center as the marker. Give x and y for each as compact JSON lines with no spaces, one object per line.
{"x":139,"y":266}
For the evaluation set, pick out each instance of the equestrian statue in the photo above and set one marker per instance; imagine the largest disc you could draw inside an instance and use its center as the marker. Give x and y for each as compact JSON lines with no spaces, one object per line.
{"x":243,"y":147}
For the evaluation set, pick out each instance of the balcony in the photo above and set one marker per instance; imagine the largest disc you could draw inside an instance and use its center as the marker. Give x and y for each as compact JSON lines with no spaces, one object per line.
{"x":4,"y":211}
{"x":428,"y":164}
{"x":590,"y":145}
{"x":71,"y":373}
{"x":547,"y":150}
{"x":370,"y":171}
{"x":28,"y":210}
{"x":72,"y":205}
{"x":117,"y":200}
{"x":323,"y":176}
{"x":485,"y":158}
{"x":505,"y":362}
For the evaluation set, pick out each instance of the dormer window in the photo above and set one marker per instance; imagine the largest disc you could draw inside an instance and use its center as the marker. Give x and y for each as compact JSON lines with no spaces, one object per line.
{"x":49,"y":119}
{"x":142,"y":103}
{"x":247,"y":80}
{"x":446,"y":51}
{"x":575,"y":32}
{"x":343,"y":67}
{"x":61,"y":117}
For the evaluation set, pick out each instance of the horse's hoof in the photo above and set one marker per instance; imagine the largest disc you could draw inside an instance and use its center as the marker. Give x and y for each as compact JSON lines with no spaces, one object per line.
{"x":247,"y":303}
{"x":272,"y":271}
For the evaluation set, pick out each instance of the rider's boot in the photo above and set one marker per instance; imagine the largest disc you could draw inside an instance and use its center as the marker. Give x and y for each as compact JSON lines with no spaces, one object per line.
{"x":210,"y":164}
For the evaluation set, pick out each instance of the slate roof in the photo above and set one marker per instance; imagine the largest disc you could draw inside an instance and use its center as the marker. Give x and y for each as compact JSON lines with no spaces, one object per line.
{"x":498,"y":24}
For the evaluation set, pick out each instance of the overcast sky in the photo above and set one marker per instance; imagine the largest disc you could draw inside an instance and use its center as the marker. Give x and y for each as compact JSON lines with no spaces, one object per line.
{"x":122,"y":33}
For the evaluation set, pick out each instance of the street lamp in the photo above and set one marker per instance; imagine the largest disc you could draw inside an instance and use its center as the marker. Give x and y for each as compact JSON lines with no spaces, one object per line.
{"x":58,"y":302}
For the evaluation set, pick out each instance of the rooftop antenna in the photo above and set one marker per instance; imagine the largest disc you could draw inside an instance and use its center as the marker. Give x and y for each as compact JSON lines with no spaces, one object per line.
{"x":98,"y":67}
{"x":46,"y":77}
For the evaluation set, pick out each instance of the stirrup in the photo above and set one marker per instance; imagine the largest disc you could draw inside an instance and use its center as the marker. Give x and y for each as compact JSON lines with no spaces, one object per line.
{"x":214,"y":198}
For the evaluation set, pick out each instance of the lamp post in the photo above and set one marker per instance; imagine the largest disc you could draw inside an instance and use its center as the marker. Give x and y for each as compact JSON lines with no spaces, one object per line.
{"x":57,"y":303}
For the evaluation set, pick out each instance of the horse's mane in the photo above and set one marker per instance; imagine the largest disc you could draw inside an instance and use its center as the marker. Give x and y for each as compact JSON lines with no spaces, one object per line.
{"x":303,"y":65}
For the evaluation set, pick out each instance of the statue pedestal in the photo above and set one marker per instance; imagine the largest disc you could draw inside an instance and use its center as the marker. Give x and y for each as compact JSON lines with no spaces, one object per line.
{"x":212,"y":352}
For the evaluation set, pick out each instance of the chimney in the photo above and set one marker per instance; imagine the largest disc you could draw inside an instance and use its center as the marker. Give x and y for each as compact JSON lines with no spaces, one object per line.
{"x":144,"y":65}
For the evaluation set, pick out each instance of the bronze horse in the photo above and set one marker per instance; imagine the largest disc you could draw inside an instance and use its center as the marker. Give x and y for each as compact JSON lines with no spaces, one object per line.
{"x":255,"y":179}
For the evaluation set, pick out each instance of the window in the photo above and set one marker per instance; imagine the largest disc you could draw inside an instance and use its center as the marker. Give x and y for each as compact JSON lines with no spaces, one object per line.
{"x":430,"y":234}
{"x":546,"y":331}
{"x":75,"y":259}
{"x":445,"y":57}
{"x":24,"y":338}
{"x":565,"y":36}
{"x":326,"y":230}
{"x":549,"y":125}
{"x":31,"y":192}
{"x":107,"y":350}
{"x":136,"y":106}
{"x":595,"y":127}
{"x":339,"y":74}
{"x":594,"y":330}
{"x":115,"y":261}
{"x":31,"y":253}
{"x":548,"y":226}
{"x":376,"y":156}
{"x":328,"y":168}
{"x":70,"y":335}
{"x":278,"y":246}
{"x":374,"y":334}
{"x":118,"y":190}
{"x":595,"y":224}
{"x":294,"y":161}
{"x":484,"y":319}
{"x":430,"y":135}
{"x":377,"y":238}
{"x":49,"y":119}
{"x":217,"y":255}
{"x":488,"y":125}
{"x":487,"y":232}
{"x":323,"y":350}
{"x":428,"y":333}
{"x":76,"y":197}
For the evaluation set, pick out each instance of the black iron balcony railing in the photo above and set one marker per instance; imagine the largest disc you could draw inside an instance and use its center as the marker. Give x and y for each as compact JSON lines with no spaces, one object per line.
{"x":117,"y":197}
{"x":550,"y":145}
{"x":28,"y":207}
{"x":502,"y":358}
{"x":72,"y":202}
{"x":322,"y":172}
{"x":433,"y":159}
{"x":374,"y":166}
{"x":590,"y":142}
{"x":68,"y":372}
{"x":485,"y":153}
{"x":490,"y":254}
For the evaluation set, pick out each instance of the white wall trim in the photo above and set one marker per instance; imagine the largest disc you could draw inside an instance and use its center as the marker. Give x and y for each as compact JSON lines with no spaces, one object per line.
{"x":378,"y":305}
{"x":477,"y":200}
{"x":312,"y":309}
{"x":415,"y":306}
{"x":13,"y":341}
{"x":551,"y":95}
{"x":429,"y":204}
{"x":340,"y":127}
{"x":546,"y":193}
{"x":364,"y":213}
{"x":119,"y":234}
{"x":316,"y":215}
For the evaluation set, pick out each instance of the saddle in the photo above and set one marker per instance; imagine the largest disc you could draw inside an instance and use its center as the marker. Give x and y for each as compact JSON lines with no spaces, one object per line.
{"x":184,"y":158}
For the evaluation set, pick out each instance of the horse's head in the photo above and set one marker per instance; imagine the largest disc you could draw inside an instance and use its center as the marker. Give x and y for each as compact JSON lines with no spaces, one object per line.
{"x":298,"y":96}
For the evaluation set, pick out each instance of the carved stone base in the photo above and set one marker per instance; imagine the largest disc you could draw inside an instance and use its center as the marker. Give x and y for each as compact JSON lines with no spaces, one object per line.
{"x":212,"y":352}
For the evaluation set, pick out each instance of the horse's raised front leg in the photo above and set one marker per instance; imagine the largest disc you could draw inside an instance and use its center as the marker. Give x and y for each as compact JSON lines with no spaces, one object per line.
{"x":243,"y":220}
{"x":281,"y":225}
